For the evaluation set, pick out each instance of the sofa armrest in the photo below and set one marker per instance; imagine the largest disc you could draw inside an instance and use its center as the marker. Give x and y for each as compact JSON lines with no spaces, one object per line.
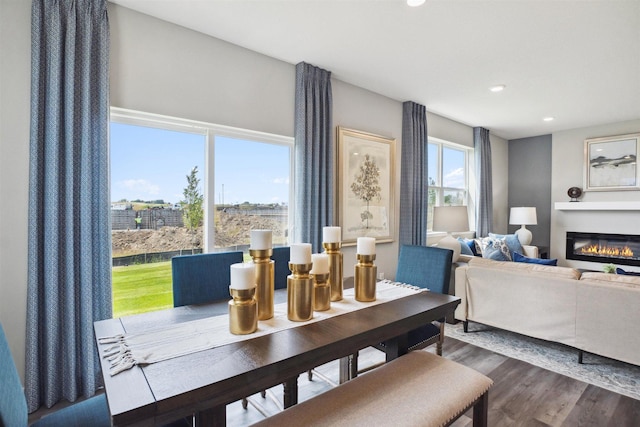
{"x":530,"y":251}
{"x":461,"y":291}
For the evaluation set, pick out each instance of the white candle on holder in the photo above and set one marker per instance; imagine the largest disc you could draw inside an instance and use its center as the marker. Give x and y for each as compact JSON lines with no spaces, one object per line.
{"x":366,"y":246}
{"x":320,"y":264}
{"x":243,"y":275}
{"x":331,"y":235}
{"x":301,"y":253}
{"x":261,"y":239}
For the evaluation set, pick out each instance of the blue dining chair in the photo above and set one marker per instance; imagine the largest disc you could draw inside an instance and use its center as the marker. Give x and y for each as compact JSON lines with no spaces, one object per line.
{"x":93,"y":412}
{"x":281,"y":256}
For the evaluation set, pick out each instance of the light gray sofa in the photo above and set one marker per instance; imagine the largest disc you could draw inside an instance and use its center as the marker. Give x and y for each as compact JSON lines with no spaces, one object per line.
{"x":593,"y":312}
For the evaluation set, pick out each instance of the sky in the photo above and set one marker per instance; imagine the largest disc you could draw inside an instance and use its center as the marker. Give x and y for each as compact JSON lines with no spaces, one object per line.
{"x":153,"y":164}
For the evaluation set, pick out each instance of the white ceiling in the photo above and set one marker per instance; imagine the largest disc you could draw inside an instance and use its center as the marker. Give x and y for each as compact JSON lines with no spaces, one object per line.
{"x":578,"y":61}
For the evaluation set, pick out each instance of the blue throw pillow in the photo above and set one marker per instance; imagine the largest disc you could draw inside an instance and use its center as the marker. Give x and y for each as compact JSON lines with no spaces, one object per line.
{"x":628,"y":273}
{"x":495,"y":249}
{"x":513,"y":243}
{"x":465,"y":248}
{"x":521,"y":258}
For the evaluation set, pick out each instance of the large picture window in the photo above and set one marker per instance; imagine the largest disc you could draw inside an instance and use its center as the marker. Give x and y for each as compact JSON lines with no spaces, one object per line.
{"x":182,"y":187}
{"x":447,"y":175}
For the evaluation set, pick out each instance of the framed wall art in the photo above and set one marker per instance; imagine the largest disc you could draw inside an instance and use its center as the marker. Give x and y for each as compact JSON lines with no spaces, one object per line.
{"x":610,"y":163}
{"x":365,"y":185}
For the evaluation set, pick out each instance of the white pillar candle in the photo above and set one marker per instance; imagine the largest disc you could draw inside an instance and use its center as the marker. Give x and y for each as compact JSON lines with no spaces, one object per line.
{"x":301,"y":253}
{"x":366,"y":246}
{"x":331,"y":235}
{"x":261,"y":239}
{"x":320,"y":264}
{"x":243,"y":275}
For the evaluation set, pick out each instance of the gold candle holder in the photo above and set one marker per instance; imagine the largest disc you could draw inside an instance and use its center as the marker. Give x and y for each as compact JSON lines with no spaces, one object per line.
{"x":243,"y":311}
{"x":300,"y":293}
{"x":365,"y":278}
{"x":265,"y":273}
{"x":335,"y":269}
{"x":322,"y":292}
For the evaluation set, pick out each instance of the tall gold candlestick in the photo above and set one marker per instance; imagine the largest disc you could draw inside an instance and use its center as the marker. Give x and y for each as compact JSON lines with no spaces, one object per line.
{"x":322,"y":292}
{"x":335,"y":269}
{"x":300,"y":293}
{"x":365,"y":278}
{"x":243,"y":311}
{"x":265,"y":273}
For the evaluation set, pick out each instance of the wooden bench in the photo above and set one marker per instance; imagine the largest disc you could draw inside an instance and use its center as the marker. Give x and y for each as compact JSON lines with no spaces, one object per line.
{"x":417,"y":389}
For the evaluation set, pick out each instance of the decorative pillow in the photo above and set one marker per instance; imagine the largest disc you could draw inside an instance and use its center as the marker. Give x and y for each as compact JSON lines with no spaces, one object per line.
{"x":512,"y":242}
{"x":628,"y":273}
{"x":465,"y":247}
{"x":495,"y":249}
{"x":521,"y":258}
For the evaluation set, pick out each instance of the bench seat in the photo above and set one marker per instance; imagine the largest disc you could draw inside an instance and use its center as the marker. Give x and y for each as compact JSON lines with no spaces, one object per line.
{"x":417,"y":389}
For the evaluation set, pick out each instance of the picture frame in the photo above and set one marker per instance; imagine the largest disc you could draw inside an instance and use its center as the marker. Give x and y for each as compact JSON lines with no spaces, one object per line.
{"x":365,"y":185}
{"x":610,"y":163}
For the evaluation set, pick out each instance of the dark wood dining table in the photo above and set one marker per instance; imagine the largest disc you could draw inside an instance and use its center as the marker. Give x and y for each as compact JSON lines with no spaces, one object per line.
{"x":203,"y":383}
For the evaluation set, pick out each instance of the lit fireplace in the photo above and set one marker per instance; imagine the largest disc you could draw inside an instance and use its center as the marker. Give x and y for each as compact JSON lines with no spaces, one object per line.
{"x":605,"y":248}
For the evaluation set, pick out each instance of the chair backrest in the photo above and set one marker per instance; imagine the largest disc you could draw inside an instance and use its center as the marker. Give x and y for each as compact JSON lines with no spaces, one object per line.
{"x":425,"y":267}
{"x":281,"y":256}
{"x":202,"y":278}
{"x":13,"y":404}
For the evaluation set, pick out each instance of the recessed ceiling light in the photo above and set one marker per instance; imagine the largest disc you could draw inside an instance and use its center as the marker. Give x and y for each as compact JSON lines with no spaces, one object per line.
{"x":415,"y":3}
{"x":497,"y":88}
{"x":548,"y":119}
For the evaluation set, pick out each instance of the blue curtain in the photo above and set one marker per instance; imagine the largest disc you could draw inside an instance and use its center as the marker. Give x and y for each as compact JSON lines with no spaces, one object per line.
{"x":314,"y":155}
{"x":484,"y":195}
{"x":413,"y":184}
{"x":69,"y":267}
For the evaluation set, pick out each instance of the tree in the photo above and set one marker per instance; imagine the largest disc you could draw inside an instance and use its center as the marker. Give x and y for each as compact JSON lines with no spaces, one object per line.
{"x":366,"y":186}
{"x":192,"y":212}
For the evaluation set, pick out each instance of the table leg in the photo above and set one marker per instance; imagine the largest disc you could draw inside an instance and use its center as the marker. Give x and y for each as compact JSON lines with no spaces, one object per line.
{"x":396,"y":347}
{"x":290,"y":387}
{"x":348,"y":367}
{"x":213,"y":417}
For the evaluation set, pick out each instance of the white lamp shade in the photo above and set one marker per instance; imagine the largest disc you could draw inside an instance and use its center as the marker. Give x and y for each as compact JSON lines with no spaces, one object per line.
{"x":523,"y":216}
{"x":450,"y":218}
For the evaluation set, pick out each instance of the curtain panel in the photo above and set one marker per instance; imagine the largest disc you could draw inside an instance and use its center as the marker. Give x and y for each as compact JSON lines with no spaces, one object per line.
{"x":413,"y":184}
{"x":314,"y":155}
{"x":484,"y":195}
{"x":69,"y":266}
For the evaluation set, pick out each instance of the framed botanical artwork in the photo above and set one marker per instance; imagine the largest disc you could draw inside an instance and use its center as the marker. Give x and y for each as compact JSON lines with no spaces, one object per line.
{"x":365,"y":185}
{"x":610,"y":163}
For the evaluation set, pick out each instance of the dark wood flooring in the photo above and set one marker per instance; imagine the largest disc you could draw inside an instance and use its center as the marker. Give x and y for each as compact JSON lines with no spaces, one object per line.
{"x":527,"y":395}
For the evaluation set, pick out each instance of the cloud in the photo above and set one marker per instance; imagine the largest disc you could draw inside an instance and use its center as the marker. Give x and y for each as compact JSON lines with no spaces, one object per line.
{"x":281,"y":180}
{"x":141,"y":186}
{"x":455,"y":178}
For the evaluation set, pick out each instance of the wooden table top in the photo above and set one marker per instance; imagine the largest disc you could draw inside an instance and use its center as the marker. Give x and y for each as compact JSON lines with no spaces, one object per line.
{"x":163,"y":391}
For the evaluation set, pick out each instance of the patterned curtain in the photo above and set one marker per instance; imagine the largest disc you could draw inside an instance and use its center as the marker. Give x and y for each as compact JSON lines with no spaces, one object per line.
{"x":314,"y":154}
{"x":69,"y":267}
{"x":484,"y":195}
{"x":413,"y":184}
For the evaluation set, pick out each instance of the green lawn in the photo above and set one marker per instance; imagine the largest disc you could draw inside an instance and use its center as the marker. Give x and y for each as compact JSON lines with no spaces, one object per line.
{"x":141,"y":287}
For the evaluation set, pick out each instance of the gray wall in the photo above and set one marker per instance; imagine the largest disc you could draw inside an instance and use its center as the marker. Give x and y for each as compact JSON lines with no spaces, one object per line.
{"x":530,"y":182}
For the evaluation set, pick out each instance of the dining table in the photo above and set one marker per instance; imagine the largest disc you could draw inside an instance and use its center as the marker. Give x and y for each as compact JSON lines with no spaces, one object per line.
{"x":202,"y":383}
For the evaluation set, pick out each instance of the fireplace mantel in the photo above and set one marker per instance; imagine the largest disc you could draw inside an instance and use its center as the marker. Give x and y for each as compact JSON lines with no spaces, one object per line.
{"x":597,"y":206}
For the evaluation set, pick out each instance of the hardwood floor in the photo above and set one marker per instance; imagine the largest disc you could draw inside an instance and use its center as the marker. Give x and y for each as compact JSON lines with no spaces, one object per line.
{"x":527,"y":395}
{"x":522,"y":394}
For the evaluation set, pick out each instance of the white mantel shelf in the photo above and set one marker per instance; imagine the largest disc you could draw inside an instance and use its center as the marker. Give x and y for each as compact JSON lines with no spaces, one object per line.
{"x":597,"y":206}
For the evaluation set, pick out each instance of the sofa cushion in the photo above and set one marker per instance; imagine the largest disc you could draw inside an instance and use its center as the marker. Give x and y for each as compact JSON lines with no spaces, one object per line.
{"x":492,"y":248}
{"x":622,"y":279}
{"x":521,"y":258}
{"x":512,"y":242}
{"x":466,"y":245}
{"x":526,"y":268}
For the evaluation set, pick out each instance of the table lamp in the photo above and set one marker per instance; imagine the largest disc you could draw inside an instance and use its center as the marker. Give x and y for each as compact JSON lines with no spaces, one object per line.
{"x":523,"y":216}
{"x":450,"y":219}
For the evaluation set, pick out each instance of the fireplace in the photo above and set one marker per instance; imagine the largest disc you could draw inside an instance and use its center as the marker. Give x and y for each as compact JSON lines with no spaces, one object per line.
{"x":605,"y":248}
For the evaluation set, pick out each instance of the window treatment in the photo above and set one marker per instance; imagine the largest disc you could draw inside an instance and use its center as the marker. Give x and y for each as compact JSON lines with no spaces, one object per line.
{"x":484,"y":195}
{"x":69,"y":266}
{"x":413,"y":184}
{"x":314,"y":154}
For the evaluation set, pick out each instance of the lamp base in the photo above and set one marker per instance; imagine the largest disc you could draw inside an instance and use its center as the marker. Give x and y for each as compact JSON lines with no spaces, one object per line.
{"x":524,"y":235}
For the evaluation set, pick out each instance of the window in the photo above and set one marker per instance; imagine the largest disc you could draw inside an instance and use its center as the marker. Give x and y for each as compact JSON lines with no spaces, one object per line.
{"x":447,"y":172}
{"x":165,"y":171}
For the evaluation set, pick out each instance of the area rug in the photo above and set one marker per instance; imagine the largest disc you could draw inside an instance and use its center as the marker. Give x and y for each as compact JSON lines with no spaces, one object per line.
{"x":600,"y":371}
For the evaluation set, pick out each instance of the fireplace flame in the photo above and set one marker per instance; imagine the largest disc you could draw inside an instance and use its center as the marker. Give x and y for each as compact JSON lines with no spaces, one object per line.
{"x":610,"y":251}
